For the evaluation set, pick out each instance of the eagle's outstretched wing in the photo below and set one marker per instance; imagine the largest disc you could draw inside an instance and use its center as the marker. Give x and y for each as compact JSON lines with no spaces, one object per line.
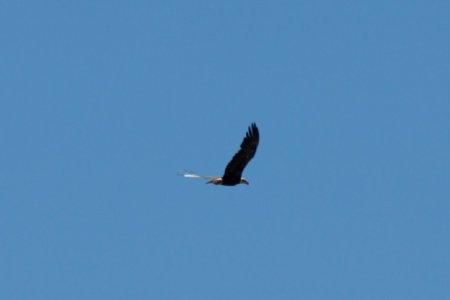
{"x":233,"y":171}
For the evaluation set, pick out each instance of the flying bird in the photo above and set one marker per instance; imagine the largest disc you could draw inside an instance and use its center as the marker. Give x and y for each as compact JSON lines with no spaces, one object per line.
{"x":234,"y":169}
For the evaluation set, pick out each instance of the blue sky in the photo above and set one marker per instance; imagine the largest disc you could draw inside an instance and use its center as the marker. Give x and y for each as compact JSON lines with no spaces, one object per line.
{"x":102,"y":102}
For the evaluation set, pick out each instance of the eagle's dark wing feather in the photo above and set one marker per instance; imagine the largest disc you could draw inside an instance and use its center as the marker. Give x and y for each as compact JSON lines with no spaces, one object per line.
{"x":233,"y":171}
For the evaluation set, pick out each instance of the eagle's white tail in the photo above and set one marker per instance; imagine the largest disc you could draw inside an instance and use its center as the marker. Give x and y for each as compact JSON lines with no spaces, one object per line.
{"x":188,"y":174}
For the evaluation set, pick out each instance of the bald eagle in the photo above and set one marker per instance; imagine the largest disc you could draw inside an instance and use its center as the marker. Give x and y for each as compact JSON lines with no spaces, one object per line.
{"x":234,"y":169}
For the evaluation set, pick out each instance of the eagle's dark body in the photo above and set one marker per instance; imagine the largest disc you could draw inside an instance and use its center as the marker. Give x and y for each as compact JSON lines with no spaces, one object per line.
{"x":234,"y":169}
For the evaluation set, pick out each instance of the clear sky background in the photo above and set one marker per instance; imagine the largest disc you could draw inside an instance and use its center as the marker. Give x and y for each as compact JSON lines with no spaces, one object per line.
{"x":102,"y":102}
